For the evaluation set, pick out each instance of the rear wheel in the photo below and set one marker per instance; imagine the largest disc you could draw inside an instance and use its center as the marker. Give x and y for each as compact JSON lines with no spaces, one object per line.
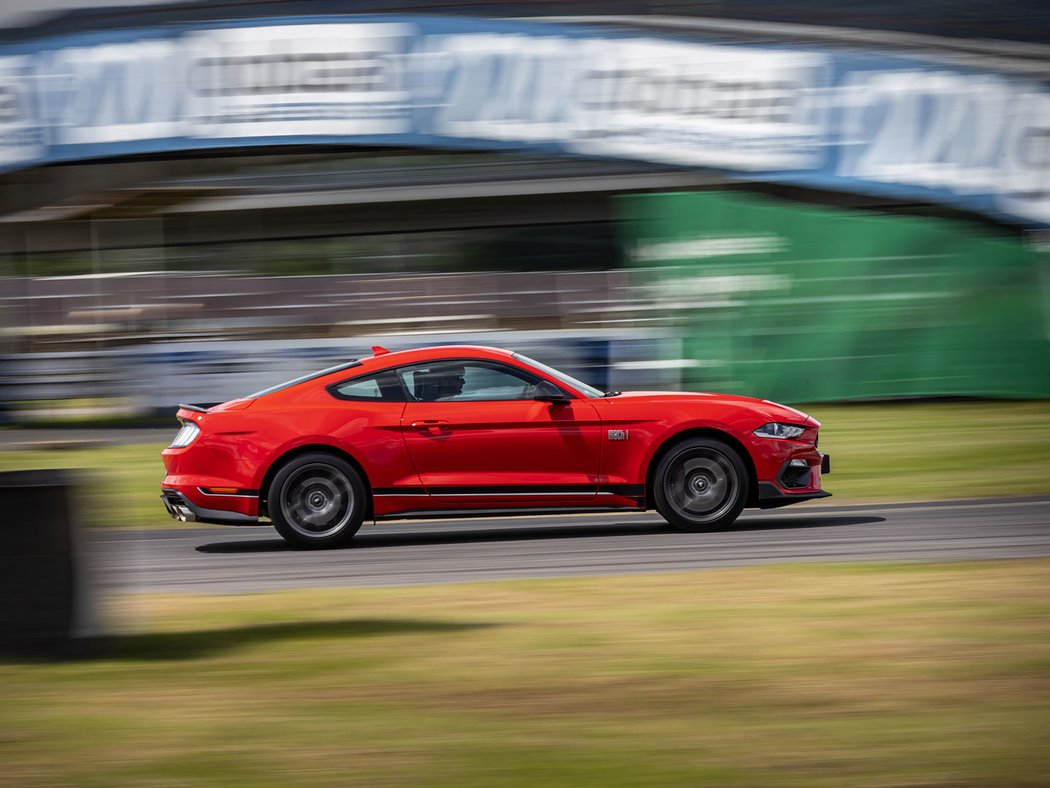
{"x":700,"y":485}
{"x":317,"y":500}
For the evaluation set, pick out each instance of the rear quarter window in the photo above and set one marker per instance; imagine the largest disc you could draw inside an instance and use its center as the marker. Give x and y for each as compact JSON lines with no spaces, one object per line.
{"x":382,"y":386}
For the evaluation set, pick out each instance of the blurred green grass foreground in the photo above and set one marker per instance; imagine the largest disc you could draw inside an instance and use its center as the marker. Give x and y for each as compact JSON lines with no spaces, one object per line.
{"x":900,"y":451}
{"x":830,"y":675}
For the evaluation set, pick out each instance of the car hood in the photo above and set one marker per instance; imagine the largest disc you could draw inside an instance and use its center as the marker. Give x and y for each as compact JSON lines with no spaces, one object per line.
{"x":774,"y":411}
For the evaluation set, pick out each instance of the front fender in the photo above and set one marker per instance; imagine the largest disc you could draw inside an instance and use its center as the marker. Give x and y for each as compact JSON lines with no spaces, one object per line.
{"x":652,"y":426}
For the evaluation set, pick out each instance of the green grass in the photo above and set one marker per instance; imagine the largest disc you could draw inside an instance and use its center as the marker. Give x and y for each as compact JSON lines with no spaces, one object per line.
{"x":121,"y":484}
{"x":924,"y":451}
{"x":791,"y":676}
{"x":879,"y":452}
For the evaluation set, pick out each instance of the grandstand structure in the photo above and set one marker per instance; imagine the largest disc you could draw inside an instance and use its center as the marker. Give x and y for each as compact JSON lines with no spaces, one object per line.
{"x":111,"y":242}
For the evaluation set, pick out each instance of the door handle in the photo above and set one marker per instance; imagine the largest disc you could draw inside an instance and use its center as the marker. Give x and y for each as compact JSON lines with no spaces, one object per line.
{"x":425,"y":423}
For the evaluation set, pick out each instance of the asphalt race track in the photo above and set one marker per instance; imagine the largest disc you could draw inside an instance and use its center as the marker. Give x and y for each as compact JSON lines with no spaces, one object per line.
{"x":232,"y":560}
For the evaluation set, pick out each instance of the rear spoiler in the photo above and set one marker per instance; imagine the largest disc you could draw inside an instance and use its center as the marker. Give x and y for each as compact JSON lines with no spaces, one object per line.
{"x":196,"y":408}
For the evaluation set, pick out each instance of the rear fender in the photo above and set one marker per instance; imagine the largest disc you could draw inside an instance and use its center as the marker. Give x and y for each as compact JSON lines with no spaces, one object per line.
{"x":307,"y":446}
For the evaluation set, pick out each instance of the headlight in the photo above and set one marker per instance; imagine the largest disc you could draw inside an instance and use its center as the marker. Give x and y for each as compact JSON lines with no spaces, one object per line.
{"x":776,"y":429}
{"x":185,"y":436}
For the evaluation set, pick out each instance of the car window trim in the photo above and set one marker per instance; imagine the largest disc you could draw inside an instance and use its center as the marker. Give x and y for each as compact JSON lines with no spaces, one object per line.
{"x":333,"y":388}
{"x":522,"y":371}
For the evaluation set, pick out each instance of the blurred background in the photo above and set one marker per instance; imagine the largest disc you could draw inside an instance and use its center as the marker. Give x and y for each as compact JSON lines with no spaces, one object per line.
{"x":837,"y":204}
{"x":821,"y":202}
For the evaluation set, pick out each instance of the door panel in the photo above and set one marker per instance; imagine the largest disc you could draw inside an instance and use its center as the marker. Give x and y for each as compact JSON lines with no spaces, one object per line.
{"x":505,"y":448}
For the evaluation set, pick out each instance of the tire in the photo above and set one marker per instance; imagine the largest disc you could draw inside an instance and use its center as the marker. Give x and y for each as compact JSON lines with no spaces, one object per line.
{"x":317,"y":500}
{"x":701,"y":484}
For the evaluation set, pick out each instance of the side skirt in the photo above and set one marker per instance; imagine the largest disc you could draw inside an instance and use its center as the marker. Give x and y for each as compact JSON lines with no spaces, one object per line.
{"x":446,"y":514}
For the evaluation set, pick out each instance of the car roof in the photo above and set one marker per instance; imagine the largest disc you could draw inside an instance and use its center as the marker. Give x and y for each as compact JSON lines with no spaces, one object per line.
{"x":399,"y":357}
{"x":385,"y":360}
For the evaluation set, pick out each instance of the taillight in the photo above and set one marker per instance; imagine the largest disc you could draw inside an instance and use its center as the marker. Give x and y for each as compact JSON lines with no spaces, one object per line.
{"x":185,"y":436}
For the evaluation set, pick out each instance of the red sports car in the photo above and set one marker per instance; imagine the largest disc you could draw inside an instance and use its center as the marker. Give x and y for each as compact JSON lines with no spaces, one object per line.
{"x":455,"y":431}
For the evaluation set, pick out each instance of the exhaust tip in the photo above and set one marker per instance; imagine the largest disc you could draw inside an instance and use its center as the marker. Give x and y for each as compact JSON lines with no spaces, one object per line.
{"x":185,"y":515}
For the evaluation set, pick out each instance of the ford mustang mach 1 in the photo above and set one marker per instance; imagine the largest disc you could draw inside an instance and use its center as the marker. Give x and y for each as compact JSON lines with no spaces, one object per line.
{"x":462,"y":430}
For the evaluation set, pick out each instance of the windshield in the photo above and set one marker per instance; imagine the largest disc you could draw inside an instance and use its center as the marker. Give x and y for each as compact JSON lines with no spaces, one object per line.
{"x":587,"y":391}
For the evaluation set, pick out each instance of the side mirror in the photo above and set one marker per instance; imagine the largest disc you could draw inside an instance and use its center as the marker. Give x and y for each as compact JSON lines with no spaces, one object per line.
{"x":545,"y":391}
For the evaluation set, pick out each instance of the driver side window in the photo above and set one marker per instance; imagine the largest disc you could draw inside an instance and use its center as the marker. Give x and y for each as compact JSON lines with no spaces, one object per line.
{"x":466,"y":381}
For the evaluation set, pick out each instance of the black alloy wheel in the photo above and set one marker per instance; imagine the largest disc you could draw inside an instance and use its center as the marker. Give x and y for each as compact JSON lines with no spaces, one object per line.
{"x":317,"y":500}
{"x":701,"y":484}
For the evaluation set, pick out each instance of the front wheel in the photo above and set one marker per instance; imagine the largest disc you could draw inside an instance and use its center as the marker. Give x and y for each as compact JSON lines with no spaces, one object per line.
{"x":700,"y":485}
{"x":317,"y":500}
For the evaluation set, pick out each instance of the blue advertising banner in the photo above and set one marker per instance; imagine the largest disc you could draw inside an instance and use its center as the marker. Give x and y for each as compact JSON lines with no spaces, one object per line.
{"x":900,"y":126}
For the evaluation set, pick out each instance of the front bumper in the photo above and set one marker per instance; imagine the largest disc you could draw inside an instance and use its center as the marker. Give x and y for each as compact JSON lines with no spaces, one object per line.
{"x":182,"y":508}
{"x":792,"y":486}
{"x":771,"y":497}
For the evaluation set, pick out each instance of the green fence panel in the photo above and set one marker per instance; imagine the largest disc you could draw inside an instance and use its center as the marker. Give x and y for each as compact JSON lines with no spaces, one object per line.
{"x":803,"y":303}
